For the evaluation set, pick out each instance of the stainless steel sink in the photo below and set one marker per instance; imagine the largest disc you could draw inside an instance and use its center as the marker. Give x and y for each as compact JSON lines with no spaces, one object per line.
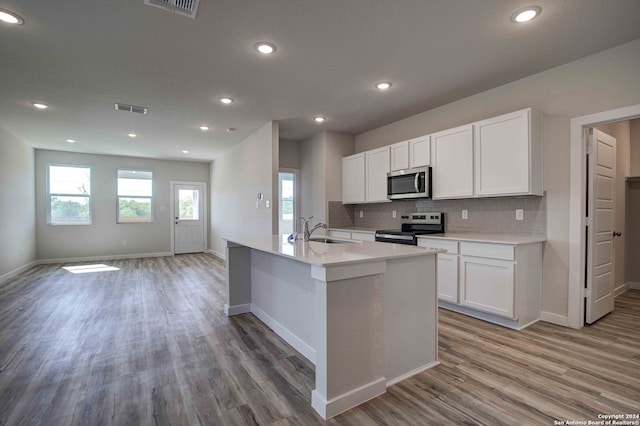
{"x":329,"y":240}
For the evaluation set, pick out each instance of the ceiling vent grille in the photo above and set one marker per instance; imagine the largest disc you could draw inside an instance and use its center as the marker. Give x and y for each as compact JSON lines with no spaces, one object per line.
{"x":183,"y":7}
{"x":131,"y":108}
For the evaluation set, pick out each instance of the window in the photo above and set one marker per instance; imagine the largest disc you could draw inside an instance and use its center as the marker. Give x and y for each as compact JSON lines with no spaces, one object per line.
{"x":69,"y":195}
{"x":188,"y":204}
{"x":135,"y":196}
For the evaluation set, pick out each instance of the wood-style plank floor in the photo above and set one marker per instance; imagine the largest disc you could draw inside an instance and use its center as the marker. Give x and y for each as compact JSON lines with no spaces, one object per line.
{"x":149,"y":344}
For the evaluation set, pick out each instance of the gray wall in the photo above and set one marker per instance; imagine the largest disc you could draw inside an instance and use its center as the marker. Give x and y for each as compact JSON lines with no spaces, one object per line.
{"x":104,"y":237}
{"x":596,"y":83}
{"x":237,"y":177}
{"x":289,"y":154}
{"x":17,"y":204}
{"x":321,"y":172}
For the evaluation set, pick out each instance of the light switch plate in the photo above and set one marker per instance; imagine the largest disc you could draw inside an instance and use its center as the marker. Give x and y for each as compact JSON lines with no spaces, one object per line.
{"x":465,"y":214}
{"x":393,"y":214}
{"x":519,"y":214}
{"x":361,"y":214}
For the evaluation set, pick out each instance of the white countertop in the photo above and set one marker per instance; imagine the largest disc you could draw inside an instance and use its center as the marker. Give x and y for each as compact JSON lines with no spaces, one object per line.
{"x":322,"y":254}
{"x":490,"y":237}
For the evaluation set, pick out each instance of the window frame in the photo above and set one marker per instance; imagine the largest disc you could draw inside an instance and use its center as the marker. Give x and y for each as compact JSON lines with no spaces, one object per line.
{"x":49,"y":194}
{"x":119,"y":196}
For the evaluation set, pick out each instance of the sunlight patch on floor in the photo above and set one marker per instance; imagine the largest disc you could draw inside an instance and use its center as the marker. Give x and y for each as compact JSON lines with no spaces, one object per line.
{"x":85,"y":269}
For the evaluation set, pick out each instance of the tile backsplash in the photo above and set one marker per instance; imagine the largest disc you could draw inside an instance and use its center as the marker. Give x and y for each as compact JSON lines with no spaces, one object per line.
{"x":485,"y":214}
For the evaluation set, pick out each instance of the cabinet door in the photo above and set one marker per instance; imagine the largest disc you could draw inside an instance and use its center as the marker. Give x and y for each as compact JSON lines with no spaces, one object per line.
{"x":447,"y":277}
{"x":452,"y":157}
{"x":353,"y":179}
{"x":400,"y":156}
{"x":420,"y":152}
{"x":377,"y":167}
{"x":503,"y":157}
{"x":487,"y":285}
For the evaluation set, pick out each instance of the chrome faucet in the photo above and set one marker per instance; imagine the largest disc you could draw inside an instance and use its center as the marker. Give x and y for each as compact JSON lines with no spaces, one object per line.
{"x":306,"y":233}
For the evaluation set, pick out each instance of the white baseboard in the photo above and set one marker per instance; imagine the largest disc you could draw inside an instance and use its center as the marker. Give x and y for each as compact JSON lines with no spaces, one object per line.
{"x":237,"y":309}
{"x":17,"y":271}
{"x":339,"y":404}
{"x":412,"y":373}
{"x":621,"y":289}
{"x":562,"y":320}
{"x":305,"y":349}
{"x":216,"y":254}
{"x":633,"y":286}
{"x":107,"y":257}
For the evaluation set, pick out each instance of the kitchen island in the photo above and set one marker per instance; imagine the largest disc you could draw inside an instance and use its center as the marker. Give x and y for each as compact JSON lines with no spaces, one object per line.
{"x":364,"y":313}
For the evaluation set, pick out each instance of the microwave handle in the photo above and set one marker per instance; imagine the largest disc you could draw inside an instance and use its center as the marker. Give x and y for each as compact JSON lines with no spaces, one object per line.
{"x":416,"y":182}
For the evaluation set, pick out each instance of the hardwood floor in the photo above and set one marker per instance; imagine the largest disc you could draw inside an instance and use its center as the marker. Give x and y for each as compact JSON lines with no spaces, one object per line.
{"x":149,"y":344}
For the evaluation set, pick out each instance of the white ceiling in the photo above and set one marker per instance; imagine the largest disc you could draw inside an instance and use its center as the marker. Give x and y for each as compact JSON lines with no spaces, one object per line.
{"x":83,"y":56}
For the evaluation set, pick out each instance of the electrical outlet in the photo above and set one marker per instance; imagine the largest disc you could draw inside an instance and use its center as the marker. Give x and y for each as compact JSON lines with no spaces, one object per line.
{"x":393,"y":214}
{"x":465,"y":214}
{"x":257,"y":204}
{"x":361,"y":214}
{"x":519,"y":214}
{"x":267,"y":204}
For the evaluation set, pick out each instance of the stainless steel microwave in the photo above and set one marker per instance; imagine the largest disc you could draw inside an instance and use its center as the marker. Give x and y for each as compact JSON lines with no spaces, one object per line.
{"x":410,"y":183}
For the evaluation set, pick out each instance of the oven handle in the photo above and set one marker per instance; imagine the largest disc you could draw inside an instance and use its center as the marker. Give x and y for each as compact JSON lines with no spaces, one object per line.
{"x":416,"y":182}
{"x":396,"y":237}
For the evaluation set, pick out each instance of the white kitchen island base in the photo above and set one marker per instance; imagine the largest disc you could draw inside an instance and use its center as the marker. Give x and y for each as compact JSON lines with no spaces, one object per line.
{"x":364,"y":313}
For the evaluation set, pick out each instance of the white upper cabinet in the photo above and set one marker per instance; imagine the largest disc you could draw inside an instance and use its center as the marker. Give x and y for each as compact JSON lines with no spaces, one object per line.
{"x":400,"y":156}
{"x":508,"y":155}
{"x":452,"y":156}
{"x":377,"y":166}
{"x":420,"y":152}
{"x":353,"y":179}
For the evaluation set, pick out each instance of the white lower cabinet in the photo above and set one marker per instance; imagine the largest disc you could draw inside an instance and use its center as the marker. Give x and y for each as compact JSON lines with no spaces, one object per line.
{"x":487,"y":284}
{"x":500,"y":283}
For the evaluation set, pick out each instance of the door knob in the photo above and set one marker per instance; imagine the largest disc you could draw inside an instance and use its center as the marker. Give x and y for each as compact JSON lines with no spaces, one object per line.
{"x":617,"y":234}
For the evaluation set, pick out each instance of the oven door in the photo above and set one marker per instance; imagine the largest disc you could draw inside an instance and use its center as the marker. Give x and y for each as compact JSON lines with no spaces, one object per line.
{"x":411,"y":183}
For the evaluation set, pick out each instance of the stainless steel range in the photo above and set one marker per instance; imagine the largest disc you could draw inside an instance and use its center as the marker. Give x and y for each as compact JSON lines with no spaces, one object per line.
{"x":413,"y":224}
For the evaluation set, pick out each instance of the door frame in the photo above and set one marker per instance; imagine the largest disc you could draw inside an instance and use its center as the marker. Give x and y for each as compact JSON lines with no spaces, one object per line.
{"x":172,"y":208}
{"x":577,"y":203}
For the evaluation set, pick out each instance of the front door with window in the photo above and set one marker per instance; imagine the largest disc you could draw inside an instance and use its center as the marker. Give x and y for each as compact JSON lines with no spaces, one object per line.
{"x":189,"y":218}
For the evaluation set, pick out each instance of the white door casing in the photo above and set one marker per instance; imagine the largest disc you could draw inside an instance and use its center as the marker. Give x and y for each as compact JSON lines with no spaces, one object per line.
{"x":600,"y":210}
{"x":189,"y":218}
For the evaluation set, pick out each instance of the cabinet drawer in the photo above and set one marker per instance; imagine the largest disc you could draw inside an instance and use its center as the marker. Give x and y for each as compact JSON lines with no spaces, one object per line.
{"x":340,"y":234}
{"x":363,"y":236}
{"x":494,"y":251}
{"x":450,"y":246}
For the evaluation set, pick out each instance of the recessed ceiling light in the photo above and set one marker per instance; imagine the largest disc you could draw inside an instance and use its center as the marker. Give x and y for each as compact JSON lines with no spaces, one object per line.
{"x":10,"y":18}
{"x":265,"y":47}
{"x":184,"y":151}
{"x":132,"y":135}
{"x":319,"y":119}
{"x":40,"y":105}
{"x":204,"y":128}
{"x":383,"y":85}
{"x":526,"y":14}
{"x":71,"y":140}
{"x":225,"y":100}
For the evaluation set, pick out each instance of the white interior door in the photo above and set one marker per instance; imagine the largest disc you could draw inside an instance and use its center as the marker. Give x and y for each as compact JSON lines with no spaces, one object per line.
{"x":189,"y":218}
{"x":600,"y":234}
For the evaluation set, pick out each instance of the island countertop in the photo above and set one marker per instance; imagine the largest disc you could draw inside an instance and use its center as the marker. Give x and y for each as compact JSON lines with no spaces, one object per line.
{"x":321,"y":254}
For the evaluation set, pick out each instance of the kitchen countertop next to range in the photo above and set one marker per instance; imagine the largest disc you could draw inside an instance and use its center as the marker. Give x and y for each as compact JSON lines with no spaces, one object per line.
{"x":490,"y":237}
{"x":322,"y":254}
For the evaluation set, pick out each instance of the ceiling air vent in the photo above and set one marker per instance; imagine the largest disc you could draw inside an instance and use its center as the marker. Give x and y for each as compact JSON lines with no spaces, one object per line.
{"x":183,"y":7}
{"x":131,"y":108}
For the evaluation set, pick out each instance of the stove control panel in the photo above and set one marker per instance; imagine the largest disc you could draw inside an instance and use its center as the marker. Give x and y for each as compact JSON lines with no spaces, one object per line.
{"x":427,"y":218}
